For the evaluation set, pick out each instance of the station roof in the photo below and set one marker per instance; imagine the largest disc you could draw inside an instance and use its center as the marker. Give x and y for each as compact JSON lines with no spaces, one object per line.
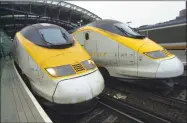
{"x":14,"y":15}
{"x":176,"y":21}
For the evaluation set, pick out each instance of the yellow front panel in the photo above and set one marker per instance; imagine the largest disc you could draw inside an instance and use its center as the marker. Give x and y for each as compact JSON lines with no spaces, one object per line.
{"x":47,"y":58}
{"x":41,"y":54}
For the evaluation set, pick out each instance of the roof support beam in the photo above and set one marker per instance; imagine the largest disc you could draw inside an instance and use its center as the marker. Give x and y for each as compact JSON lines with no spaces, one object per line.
{"x":59,"y":3}
{"x":69,"y":18}
{"x":37,"y":19}
{"x":32,"y":14}
{"x":23,"y":13}
{"x":26,"y":19}
{"x":45,"y":9}
{"x":70,"y":14}
{"x":13,"y":15}
{"x":59,"y":10}
{"x":30,"y":7}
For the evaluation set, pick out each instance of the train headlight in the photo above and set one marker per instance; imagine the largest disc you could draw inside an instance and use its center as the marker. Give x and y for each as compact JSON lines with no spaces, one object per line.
{"x":88,"y":64}
{"x":155,"y":54}
{"x":61,"y":71}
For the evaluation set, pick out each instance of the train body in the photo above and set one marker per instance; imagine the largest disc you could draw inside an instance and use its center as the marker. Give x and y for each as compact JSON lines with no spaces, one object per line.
{"x":171,"y":35}
{"x":59,"y":69}
{"x":126,"y":54}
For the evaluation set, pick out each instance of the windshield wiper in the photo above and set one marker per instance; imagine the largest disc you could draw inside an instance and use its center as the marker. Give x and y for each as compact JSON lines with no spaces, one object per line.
{"x":64,"y":36}
{"x":122,"y":30}
{"x":59,"y":46}
{"x":42,"y":36}
{"x":140,"y":36}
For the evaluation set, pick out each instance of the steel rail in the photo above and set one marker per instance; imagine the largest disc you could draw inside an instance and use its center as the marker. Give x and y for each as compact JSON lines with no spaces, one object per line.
{"x":132,"y":110}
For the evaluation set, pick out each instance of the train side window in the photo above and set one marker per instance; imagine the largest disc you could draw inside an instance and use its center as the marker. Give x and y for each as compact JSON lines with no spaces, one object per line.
{"x":87,"y":36}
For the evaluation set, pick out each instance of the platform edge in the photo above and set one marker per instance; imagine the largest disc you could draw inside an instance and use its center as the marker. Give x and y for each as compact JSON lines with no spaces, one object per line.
{"x":36,"y":104}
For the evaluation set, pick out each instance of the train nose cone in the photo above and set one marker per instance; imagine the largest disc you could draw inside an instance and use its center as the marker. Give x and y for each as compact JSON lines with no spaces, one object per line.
{"x":79,"y":89}
{"x":170,"y":68}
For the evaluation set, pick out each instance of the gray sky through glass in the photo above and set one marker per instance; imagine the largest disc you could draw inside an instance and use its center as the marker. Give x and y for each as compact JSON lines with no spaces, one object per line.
{"x":137,"y":12}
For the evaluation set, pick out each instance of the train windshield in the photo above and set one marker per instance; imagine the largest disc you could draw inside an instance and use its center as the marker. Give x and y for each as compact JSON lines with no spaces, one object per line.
{"x":55,"y":36}
{"x":126,"y":30}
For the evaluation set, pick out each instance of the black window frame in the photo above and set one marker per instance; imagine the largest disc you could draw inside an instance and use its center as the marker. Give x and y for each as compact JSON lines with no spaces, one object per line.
{"x":109,"y":25}
{"x":32,"y":34}
{"x":87,"y":36}
{"x":65,"y":37}
{"x":117,"y":25}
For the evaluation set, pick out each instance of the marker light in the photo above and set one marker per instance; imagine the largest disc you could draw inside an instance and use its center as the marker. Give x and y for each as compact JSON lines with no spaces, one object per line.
{"x":61,"y":71}
{"x":156,"y":54}
{"x":51,"y":71}
{"x":88,"y":64}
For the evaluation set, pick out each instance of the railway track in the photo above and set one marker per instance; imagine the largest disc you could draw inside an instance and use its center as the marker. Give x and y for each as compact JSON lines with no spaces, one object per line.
{"x":102,"y":113}
{"x":181,"y":81}
{"x":109,"y":110}
{"x":106,"y":113}
{"x":131,"y":110}
{"x":177,"y":94}
{"x":149,"y":106}
{"x":166,"y":97}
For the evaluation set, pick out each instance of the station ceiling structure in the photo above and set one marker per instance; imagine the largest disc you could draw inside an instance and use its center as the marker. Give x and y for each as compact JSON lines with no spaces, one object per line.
{"x":14,"y":15}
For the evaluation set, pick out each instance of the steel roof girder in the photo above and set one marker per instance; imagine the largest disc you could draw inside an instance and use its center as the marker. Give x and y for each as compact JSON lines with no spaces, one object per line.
{"x":76,"y":8}
{"x":27,"y":13}
{"x":59,"y":10}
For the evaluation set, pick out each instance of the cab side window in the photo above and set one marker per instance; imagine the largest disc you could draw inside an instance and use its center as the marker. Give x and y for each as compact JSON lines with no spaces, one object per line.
{"x":87,"y":36}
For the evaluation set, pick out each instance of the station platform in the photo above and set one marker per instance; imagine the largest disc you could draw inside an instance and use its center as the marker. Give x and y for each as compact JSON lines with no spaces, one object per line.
{"x":17,"y":102}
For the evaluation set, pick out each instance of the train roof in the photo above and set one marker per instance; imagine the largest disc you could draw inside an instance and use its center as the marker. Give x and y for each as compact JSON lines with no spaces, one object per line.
{"x":176,"y":21}
{"x":98,"y":23}
{"x":115,"y":27}
{"x":104,"y":21}
{"x":41,"y":33}
{"x":31,"y":29}
{"x":42,"y":25}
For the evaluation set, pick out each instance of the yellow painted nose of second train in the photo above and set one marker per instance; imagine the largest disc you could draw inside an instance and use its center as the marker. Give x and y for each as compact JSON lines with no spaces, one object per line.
{"x":158,"y":62}
{"x":153,"y":60}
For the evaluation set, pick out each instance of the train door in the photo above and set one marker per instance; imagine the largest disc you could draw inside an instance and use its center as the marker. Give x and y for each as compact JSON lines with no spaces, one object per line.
{"x":90,"y":45}
{"x":107,"y":51}
{"x":127,"y":60}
